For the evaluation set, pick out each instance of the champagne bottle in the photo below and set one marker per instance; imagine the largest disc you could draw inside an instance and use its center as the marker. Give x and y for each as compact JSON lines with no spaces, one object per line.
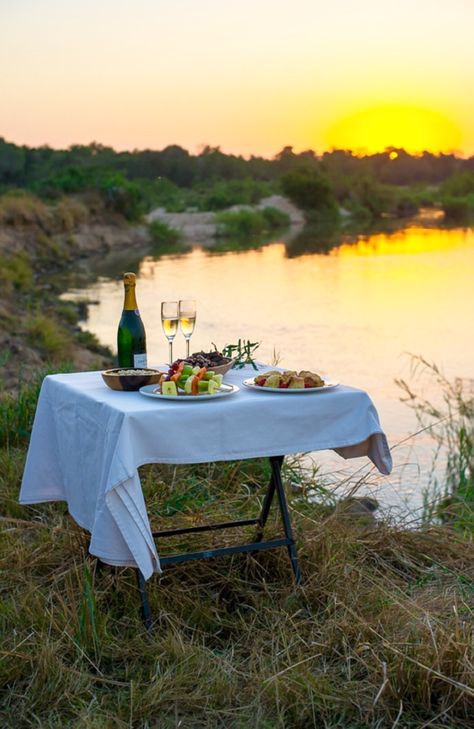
{"x":131,"y":339}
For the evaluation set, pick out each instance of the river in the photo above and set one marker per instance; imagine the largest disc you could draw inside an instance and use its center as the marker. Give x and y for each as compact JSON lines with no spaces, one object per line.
{"x":356,"y":312}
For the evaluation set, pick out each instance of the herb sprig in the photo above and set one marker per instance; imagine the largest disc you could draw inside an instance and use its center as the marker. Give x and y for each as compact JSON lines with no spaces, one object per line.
{"x":243,"y":352}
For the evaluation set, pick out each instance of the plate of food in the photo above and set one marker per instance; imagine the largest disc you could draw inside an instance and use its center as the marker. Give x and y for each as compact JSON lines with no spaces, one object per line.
{"x":186,"y":383}
{"x":154,"y":391}
{"x":290,"y":382}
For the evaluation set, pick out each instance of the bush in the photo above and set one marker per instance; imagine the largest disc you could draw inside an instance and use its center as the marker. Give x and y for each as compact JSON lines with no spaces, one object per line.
{"x":458,"y":209}
{"x":70,"y":213}
{"x":17,"y":413}
{"x":118,"y":193}
{"x":162,"y":233}
{"x":23,"y":209}
{"x":224,"y":194}
{"x":311,"y":191}
{"x":275,"y":218}
{"x":16,"y":271}
{"x":47,"y":334}
{"x":244,"y":223}
{"x":458,"y":185}
{"x":369,"y":195}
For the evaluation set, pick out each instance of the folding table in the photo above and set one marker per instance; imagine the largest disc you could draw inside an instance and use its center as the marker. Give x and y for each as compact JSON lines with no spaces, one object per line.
{"x":88,"y":442}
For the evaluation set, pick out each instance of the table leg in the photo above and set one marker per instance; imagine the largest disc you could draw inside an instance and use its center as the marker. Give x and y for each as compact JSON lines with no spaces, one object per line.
{"x":275,"y":484}
{"x":145,"y":605}
{"x":276,"y":462}
{"x":267,"y":502}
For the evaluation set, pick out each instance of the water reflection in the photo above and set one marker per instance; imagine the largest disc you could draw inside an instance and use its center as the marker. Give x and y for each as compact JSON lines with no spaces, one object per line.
{"x":349,"y":309}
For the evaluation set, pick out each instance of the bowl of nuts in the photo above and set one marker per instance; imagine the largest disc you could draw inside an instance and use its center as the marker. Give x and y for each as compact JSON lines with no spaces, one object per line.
{"x":129,"y":380}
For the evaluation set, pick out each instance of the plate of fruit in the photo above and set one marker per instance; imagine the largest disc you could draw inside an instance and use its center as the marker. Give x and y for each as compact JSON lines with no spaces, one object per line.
{"x":290,"y":382}
{"x":186,"y":383}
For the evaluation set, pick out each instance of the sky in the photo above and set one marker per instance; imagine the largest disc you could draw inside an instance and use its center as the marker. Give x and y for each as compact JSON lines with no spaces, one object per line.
{"x":250,"y":76}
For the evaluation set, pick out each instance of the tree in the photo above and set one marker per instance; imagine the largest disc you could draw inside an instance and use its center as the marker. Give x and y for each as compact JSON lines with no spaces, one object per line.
{"x":311,"y":191}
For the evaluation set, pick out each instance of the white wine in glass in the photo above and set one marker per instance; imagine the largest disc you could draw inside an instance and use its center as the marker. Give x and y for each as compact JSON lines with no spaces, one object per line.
{"x":187,"y":319}
{"x":169,"y":321}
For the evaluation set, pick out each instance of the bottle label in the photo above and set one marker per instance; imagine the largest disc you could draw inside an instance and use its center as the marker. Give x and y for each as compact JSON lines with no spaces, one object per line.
{"x":139,"y":360}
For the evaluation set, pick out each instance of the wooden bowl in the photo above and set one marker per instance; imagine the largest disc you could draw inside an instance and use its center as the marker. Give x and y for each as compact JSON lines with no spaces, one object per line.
{"x":130,"y":383}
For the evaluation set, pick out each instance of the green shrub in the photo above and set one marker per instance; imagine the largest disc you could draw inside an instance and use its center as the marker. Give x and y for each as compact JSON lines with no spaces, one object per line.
{"x":122,"y":196}
{"x":240,"y":223}
{"x":458,"y":209}
{"x":161,"y":233}
{"x":47,"y":334}
{"x":368,"y":194}
{"x":225,"y":193}
{"x":89,"y":340}
{"x":16,"y":271}
{"x":275,"y":218}
{"x":17,"y":413}
{"x":311,"y":191}
{"x":247,"y":223}
{"x":458,"y":185}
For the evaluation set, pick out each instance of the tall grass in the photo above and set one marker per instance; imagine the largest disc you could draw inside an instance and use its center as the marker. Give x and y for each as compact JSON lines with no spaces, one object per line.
{"x":451,"y":422}
{"x":381,"y":633}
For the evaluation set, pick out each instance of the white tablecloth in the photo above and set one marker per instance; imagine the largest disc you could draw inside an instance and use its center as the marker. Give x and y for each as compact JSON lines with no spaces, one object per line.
{"x":88,"y":442}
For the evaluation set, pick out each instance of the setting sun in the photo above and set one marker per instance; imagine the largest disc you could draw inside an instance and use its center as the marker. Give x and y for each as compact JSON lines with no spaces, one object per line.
{"x":414,"y":129}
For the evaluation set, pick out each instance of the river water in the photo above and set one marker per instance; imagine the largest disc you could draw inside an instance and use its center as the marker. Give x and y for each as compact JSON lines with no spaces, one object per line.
{"x":356,"y":312}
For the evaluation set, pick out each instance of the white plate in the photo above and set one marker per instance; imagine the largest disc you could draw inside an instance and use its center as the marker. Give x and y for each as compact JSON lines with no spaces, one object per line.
{"x":224,"y":390}
{"x":286,"y":390}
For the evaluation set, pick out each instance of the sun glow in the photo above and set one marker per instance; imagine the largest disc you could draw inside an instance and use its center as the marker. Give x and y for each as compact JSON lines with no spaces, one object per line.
{"x":412,"y":128}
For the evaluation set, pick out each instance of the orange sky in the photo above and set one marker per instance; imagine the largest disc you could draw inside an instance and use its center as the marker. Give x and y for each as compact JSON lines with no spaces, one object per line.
{"x":250,"y":76}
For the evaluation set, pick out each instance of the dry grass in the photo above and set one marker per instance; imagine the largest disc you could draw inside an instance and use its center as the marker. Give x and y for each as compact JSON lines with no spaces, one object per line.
{"x":69,"y":213}
{"x":23,"y":209}
{"x":380,"y":635}
{"x":20,"y":209}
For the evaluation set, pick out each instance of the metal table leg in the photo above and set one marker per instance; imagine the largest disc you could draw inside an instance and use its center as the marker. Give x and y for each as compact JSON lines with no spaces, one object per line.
{"x":275,"y":485}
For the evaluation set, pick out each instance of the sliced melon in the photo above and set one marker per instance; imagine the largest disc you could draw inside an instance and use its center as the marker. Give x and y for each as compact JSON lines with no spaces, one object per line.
{"x":218,"y":379}
{"x":209,"y":375}
{"x":169,"y":388}
{"x":188,"y":385}
{"x":213,"y":387}
{"x":195,"y":370}
{"x":203,"y":386}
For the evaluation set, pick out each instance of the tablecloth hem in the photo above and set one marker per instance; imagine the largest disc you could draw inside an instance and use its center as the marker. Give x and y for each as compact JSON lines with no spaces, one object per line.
{"x":264,"y":453}
{"x":42,"y":500}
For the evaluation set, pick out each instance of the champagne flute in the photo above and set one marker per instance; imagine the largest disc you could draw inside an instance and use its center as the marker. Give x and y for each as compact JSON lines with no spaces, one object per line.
{"x":169,"y":321}
{"x":187,"y":319}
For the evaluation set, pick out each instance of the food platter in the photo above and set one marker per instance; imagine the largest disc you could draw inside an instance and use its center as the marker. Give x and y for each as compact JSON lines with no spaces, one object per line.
{"x":329,"y":384}
{"x":153,"y":391}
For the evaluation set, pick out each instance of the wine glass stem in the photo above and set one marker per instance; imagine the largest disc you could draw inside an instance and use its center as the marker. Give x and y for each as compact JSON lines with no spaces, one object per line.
{"x":187,"y":346}
{"x":170,"y":342}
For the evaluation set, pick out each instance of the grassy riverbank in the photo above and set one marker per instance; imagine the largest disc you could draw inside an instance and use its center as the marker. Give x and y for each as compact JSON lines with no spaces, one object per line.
{"x":381,"y":633}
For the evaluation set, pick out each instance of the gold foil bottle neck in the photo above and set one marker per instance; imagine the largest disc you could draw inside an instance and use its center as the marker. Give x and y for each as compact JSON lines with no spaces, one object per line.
{"x":129,"y":279}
